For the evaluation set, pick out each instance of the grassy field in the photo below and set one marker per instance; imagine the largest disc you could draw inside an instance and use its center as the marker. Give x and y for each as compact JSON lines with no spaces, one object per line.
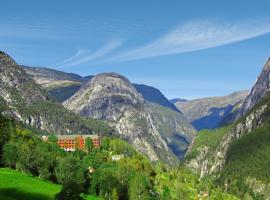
{"x":15,"y":185}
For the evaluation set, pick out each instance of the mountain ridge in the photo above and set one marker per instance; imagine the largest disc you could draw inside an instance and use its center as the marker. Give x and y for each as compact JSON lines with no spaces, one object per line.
{"x":28,"y":102}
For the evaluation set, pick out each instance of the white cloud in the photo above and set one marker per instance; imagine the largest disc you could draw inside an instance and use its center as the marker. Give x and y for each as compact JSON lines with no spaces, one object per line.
{"x":83,"y":56}
{"x":197,"y":35}
{"x":73,"y":58}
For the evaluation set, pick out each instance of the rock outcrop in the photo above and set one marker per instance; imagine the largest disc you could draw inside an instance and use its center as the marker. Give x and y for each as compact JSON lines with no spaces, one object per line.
{"x":111,"y":97}
{"x":261,"y":87}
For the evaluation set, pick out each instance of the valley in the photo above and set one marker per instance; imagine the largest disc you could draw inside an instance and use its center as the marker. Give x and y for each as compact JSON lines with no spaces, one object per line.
{"x":141,"y":133}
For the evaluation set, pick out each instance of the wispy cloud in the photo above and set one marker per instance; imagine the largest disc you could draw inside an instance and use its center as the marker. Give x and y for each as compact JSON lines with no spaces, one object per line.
{"x":197,"y":35}
{"x":83,"y":56}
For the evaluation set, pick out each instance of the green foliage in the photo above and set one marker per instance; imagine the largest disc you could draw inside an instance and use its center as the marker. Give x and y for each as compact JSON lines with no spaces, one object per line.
{"x":131,"y":177}
{"x":69,"y":170}
{"x":7,"y":129}
{"x":52,"y":138}
{"x":69,"y":191}
{"x":105,"y":143}
{"x":209,"y":138}
{"x":10,"y":154}
{"x":89,"y":145}
{"x":138,"y":187}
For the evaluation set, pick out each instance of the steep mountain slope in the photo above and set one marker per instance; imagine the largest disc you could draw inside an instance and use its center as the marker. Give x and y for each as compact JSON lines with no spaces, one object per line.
{"x":29,"y":103}
{"x":261,"y":87}
{"x":241,"y":153}
{"x":173,"y":128}
{"x":112,"y":97}
{"x":153,"y":95}
{"x":170,"y":122}
{"x":208,"y":113}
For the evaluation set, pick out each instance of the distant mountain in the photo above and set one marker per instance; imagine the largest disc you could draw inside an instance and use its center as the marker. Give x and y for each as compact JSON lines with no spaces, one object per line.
{"x":178,"y":100}
{"x":26,"y":101}
{"x":155,"y":96}
{"x":209,"y":113}
{"x":60,"y":85}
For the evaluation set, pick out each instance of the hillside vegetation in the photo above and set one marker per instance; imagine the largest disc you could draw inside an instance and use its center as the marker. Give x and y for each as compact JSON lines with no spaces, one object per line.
{"x":132,"y":177}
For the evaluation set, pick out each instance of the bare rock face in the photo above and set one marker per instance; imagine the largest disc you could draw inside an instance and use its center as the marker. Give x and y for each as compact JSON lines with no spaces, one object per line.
{"x":112,"y":97}
{"x":261,"y":87}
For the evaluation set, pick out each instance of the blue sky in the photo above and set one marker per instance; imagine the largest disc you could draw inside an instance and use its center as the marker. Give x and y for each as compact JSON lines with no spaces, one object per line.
{"x":187,"y":49}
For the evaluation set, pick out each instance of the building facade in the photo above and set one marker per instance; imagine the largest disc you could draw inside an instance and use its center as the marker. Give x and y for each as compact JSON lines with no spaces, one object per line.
{"x":73,"y":142}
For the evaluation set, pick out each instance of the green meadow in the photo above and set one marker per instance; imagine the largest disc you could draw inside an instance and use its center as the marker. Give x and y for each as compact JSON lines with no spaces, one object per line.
{"x":15,"y":185}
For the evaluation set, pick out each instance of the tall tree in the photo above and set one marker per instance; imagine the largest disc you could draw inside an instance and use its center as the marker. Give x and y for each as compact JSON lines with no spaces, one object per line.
{"x":7,"y":128}
{"x":138,"y":188}
{"x":89,"y":145}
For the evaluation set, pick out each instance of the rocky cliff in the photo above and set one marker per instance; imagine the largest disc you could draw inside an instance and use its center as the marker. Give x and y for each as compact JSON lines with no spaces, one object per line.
{"x":28,"y":102}
{"x":112,"y":97}
{"x":253,"y":109}
{"x":261,"y":87}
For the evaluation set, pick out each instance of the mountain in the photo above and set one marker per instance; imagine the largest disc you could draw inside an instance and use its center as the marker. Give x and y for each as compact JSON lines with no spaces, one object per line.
{"x":112,"y":97}
{"x":154,"y":95}
{"x":238,"y":155}
{"x":49,"y":78}
{"x":178,"y":100}
{"x":261,"y":87}
{"x":170,"y":122}
{"x":61,"y":85}
{"x":173,"y":128}
{"x":209,"y":113}
{"x":26,"y":101}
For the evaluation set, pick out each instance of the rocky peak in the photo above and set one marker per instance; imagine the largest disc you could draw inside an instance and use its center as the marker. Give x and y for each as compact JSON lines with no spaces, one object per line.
{"x":112,"y":97}
{"x":109,"y":94}
{"x":261,"y":87}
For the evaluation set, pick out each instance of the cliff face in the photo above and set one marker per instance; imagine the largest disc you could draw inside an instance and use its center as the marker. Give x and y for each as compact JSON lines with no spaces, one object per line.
{"x":112,"y":97}
{"x":206,"y":162}
{"x":251,"y":115}
{"x":261,"y":87}
{"x":29,"y":103}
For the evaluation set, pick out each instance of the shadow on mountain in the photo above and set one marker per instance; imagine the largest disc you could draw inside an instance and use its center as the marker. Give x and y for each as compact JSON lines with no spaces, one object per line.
{"x":63,"y":93}
{"x":177,"y":145}
{"x":214,"y":119}
{"x":13,"y":193}
{"x":155,"y":96}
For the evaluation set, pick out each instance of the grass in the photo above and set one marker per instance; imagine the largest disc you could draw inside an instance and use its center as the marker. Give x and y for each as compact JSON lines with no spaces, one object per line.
{"x":15,"y":185}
